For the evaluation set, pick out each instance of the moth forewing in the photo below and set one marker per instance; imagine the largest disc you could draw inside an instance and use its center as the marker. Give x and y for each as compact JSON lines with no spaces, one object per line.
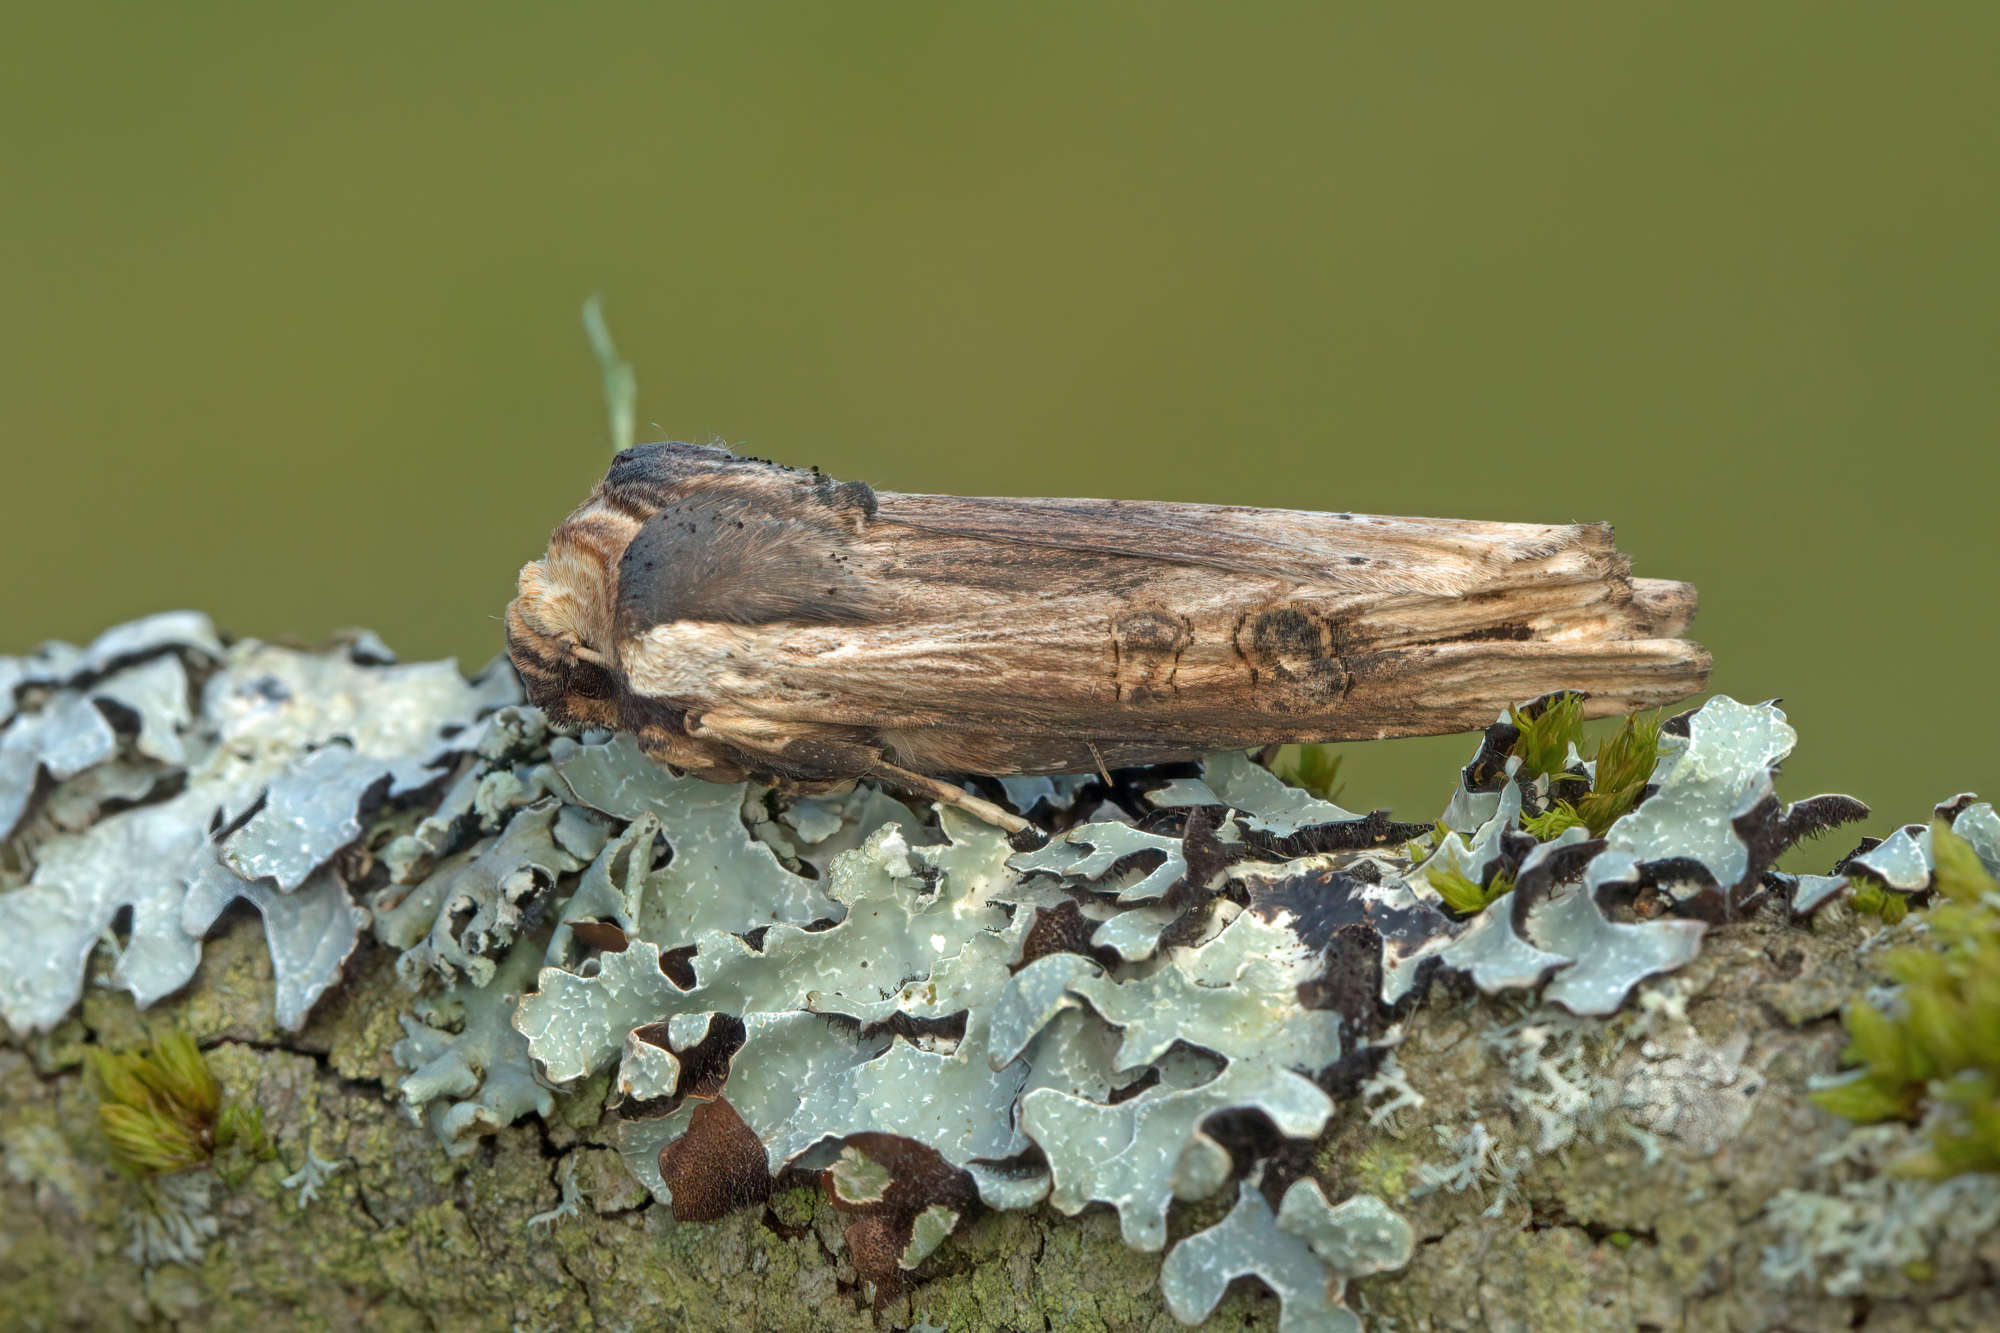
{"x":768,"y":621}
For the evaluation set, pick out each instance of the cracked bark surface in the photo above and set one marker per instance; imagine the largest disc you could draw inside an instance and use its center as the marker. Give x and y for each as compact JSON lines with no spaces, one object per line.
{"x":1655,"y":1214}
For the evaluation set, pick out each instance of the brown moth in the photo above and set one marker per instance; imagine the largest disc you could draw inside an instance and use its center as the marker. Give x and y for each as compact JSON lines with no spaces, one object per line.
{"x":747,"y":620}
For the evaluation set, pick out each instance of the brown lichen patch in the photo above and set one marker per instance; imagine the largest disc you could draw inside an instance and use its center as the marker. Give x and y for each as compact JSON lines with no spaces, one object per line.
{"x":895,"y":1188}
{"x":1061,"y":929}
{"x":717,"y":1166}
{"x":705,"y":1064}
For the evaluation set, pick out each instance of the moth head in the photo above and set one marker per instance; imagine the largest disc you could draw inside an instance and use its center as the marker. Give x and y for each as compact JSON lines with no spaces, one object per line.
{"x":558,"y":635}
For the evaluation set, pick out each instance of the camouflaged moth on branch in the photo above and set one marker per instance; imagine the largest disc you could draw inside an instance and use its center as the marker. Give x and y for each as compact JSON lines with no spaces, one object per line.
{"x":744,"y":619}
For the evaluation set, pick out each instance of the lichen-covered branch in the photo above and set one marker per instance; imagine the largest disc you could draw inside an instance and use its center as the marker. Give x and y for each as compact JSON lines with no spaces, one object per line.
{"x":542,"y":1036}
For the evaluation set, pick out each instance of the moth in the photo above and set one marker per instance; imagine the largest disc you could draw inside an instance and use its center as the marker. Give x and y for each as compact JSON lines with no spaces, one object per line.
{"x":748,"y":620}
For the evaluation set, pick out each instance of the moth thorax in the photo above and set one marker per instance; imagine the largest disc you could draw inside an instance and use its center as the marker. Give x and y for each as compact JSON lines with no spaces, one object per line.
{"x":553,"y":633}
{"x":566,"y":597}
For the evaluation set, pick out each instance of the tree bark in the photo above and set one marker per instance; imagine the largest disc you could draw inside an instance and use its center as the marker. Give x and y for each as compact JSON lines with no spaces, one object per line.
{"x":1634,"y":1177}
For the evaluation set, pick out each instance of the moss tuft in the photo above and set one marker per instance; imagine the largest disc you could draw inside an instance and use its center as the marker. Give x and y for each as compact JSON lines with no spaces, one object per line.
{"x":1871,"y":899}
{"x":1546,"y":737}
{"x":1464,"y":895}
{"x":1315,"y":768}
{"x":1934,"y":1054}
{"x":161,"y":1110}
{"x":1624,"y":765}
{"x":1552,"y":822}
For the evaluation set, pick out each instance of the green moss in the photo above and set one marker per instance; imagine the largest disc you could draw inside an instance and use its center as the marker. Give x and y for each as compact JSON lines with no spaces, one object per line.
{"x":794,"y":1207}
{"x":1464,"y":895}
{"x":1935,"y":1054}
{"x":1547,"y":735}
{"x":1418,"y":849}
{"x":1552,"y":822}
{"x":160,"y":1110}
{"x":1871,"y":899}
{"x":240,"y":1142}
{"x":1381,"y":1167}
{"x":1316,"y":768}
{"x":1624,"y":765}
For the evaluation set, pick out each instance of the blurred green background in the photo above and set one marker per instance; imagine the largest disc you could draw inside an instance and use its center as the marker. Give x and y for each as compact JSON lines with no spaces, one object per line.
{"x":291,"y":300}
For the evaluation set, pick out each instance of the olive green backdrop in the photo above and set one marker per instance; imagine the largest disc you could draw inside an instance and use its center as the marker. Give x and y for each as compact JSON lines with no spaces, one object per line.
{"x":288,"y":300}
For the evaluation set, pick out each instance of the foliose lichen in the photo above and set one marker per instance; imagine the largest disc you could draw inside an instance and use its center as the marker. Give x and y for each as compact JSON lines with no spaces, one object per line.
{"x":227,"y":773}
{"x":1153,"y":1011}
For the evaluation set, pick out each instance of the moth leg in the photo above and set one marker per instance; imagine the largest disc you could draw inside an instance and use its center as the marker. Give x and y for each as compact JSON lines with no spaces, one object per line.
{"x":1098,"y":758}
{"x":833,"y":751}
{"x":944,"y":793}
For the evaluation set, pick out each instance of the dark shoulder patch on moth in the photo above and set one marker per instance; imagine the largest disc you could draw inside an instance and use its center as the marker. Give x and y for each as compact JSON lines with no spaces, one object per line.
{"x":646,"y":477}
{"x":588,"y":680}
{"x":728,"y":557}
{"x":664,"y":462}
{"x":857,"y":496}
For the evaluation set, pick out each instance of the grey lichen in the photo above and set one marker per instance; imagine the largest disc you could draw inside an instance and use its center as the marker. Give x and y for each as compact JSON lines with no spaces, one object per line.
{"x":305,"y":1182}
{"x":1290,"y":1251}
{"x":712,"y":846}
{"x":1265,"y":803}
{"x":1861,"y":1223}
{"x":1084,"y":853}
{"x":1359,"y":1237}
{"x":484,"y":897}
{"x":173,"y":1221}
{"x":1235,"y":995}
{"x":1140,"y":1154}
{"x":1711,"y":825}
{"x":278,"y":760}
{"x":469,"y":1068}
{"x":762,"y":984}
